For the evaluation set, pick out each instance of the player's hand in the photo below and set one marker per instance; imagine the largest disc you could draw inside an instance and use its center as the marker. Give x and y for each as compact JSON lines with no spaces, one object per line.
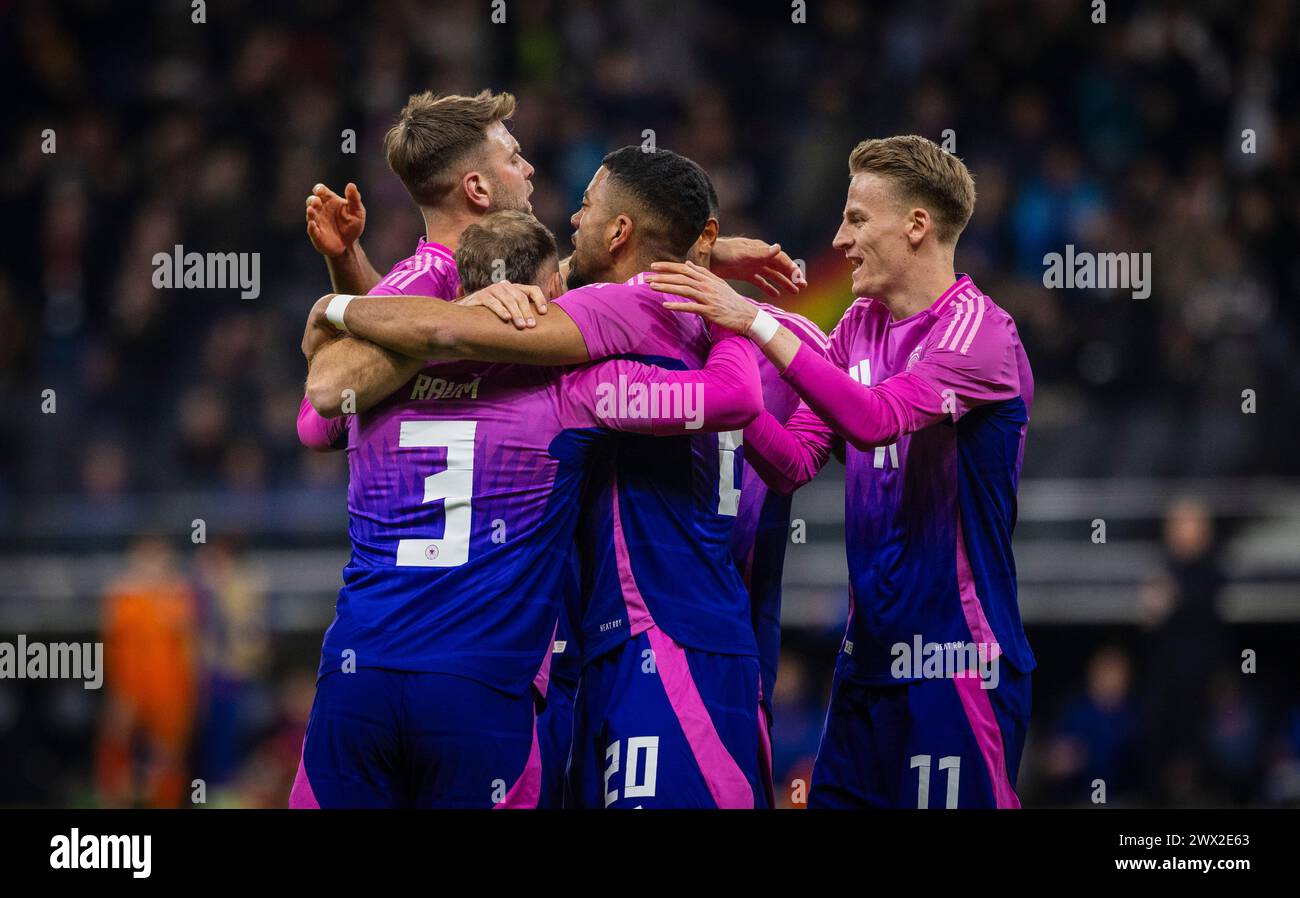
{"x":319,"y":329}
{"x":508,"y":305}
{"x":510,"y":302}
{"x":710,"y":296}
{"x":335,"y":222}
{"x":760,"y":263}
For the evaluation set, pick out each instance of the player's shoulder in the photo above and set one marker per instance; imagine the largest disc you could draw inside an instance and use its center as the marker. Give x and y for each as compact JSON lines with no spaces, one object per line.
{"x":863,"y":307}
{"x":855,"y":317}
{"x":431,"y":268}
{"x":967,"y":317}
{"x":630,"y":298}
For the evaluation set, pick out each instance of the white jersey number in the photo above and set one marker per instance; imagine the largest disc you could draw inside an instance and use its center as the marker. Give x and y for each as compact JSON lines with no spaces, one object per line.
{"x":728,"y":493}
{"x":642,"y":774}
{"x":950,"y":763}
{"x":454,"y":486}
{"x":861,"y":372}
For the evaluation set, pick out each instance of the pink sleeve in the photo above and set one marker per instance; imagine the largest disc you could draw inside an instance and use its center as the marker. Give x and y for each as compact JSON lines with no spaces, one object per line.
{"x":865,"y":416}
{"x":788,"y":456}
{"x":726,"y":394}
{"x":318,"y":432}
{"x":971,"y":368}
{"x":960,"y":368}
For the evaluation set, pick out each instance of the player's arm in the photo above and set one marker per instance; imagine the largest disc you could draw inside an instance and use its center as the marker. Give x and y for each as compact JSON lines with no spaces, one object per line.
{"x":346,"y":374}
{"x":765,"y":265}
{"x":338,"y":362}
{"x":334,"y":226}
{"x":317,"y":432}
{"x":428,"y":328}
{"x":945,"y":383}
{"x":351,"y":271}
{"x":726,"y":394}
{"x":865,"y":416}
{"x":789,"y":455}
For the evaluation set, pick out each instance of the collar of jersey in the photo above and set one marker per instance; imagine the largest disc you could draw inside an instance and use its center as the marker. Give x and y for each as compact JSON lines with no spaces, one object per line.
{"x":936,"y":308}
{"x":428,"y":246}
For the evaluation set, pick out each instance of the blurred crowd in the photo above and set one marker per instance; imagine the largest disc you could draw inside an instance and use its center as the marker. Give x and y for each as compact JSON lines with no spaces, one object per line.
{"x":1172,"y":129}
{"x":1122,"y":136}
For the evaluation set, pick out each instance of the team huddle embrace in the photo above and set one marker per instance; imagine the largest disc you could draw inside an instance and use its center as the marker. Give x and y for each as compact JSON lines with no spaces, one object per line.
{"x":570,"y":484}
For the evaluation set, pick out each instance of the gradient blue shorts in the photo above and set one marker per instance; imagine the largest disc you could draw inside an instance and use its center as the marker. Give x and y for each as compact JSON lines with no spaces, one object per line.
{"x":657,"y":725}
{"x":938,"y":743}
{"x":396,"y":739}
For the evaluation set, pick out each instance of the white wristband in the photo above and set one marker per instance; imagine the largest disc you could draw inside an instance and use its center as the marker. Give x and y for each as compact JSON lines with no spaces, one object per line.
{"x":334,"y":311}
{"x":763,"y":328}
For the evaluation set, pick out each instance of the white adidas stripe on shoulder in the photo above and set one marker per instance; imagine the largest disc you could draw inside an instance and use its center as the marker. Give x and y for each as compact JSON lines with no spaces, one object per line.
{"x":422,"y":267}
{"x":967,"y":316}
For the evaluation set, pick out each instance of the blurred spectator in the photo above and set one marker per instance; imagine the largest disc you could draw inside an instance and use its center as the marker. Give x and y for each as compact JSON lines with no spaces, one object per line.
{"x":236,"y":657}
{"x":150,"y":682}
{"x":267,"y":775}
{"x":797,"y":711}
{"x":1185,"y":643}
{"x":1096,"y":736}
{"x":1234,"y":735}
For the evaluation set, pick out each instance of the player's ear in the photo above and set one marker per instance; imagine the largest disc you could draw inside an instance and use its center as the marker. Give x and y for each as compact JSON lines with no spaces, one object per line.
{"x":710,"y":232}
{"x":919,"y":224}
{"x":702,"y":251}
{"x":554,"y":285}
{"x":460,"y":291}
{"x":620,"y":230}
{"x":476,"y":190}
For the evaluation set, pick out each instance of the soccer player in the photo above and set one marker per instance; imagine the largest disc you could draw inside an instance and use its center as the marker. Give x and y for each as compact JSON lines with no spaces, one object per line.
{"x":667,"y":711}
{"x":762,"y":528}
{"x":480,"y":259}
{"x":458,"y":162}
{"x":927,"y":383}
{"x":463,"y":502}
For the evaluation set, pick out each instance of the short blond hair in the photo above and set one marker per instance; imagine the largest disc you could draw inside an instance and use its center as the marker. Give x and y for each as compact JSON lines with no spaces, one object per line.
{"x":435,"y":133}
{"x":924,"y":173}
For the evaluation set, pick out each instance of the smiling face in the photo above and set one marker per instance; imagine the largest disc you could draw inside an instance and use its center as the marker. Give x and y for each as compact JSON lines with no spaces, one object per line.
{"x":509,"y":172}
{"x":877,"y":234}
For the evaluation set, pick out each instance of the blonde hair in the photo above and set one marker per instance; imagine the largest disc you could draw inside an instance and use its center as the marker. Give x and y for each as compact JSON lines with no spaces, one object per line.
{"x":435,"y":133}
{"x":922,"y":172}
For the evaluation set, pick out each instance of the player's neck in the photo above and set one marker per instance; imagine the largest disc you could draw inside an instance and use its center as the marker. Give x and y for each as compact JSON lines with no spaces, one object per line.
{"x":925,"y":283}
{"x":445,"y":227}
{"x":626,"y":268}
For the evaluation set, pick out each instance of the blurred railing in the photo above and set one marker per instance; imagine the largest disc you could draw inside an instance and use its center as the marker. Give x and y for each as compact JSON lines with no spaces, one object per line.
{"x":57,"y":558}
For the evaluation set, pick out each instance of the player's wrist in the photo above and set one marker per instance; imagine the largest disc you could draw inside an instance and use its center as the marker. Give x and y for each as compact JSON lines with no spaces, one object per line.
{"x":763,"y":328}
{"x":337,"y":308}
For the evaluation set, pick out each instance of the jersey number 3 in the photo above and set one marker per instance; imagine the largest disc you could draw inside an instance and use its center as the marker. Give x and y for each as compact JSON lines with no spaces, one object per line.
{"x":454,"y":485}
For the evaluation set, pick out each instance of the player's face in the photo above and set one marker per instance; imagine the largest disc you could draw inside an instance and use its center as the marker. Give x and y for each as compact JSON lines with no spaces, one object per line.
{"x":591,"y":258}
{"x":873,"y":235}
{"x":511,"y":172}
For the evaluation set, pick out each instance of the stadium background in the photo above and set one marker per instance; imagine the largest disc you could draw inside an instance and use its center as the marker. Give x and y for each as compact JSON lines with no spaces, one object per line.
{"x":178,"y":405}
